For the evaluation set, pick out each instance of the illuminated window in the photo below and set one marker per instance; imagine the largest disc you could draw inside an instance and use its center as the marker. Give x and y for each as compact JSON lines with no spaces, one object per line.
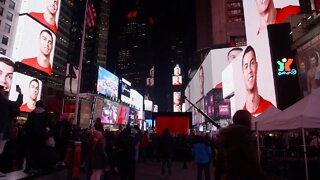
{"x":7,"y":28}
{"x":12,"y":5}
{"x":5,"y":40}
{"x":9,"y":16}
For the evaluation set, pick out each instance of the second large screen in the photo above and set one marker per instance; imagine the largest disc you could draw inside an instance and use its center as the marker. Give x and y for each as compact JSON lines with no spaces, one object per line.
{"x":107,"y":83}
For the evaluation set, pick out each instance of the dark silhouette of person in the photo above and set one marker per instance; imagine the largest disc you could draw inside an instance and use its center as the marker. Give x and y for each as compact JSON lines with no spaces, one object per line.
{"x":237,"y":156}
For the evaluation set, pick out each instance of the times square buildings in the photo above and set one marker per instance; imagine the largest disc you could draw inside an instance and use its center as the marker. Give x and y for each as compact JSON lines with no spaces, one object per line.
{"x":217,"y":24}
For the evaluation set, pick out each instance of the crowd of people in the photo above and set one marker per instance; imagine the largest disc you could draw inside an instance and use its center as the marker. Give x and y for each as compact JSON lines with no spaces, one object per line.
{"x":41,"y":144}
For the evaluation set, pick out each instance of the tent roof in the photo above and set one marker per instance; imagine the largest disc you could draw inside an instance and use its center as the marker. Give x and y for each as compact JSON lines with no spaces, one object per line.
{"x":303,"y":114}
{"x":272,"y":110}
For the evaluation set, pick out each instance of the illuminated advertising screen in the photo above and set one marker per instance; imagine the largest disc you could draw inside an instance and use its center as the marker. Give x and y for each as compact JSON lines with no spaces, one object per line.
{"x":109,"y":112}
{"x":107,"y":83}
{"x":6,"y":69}
{"x":176,"y":102}
{"x":137,"y":101}
{"x":34,"y":45}
{"x":30,"y":88}
{"x":98,"y":106}
{"x":308,"y":57}
{"x":44,"y":12}
{"x":150,"y":78}
{"x":176,"y":78}
{"x":125,"y":90}
{"x":215,"y":106}
{"x":123,"y":114}
{"x":259,"y":14}
{"x":148,"y":105}
{"x":71,"y":81}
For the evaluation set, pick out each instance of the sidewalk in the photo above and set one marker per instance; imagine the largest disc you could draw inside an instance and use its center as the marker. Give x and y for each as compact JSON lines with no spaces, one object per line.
{"x":151,"y":170}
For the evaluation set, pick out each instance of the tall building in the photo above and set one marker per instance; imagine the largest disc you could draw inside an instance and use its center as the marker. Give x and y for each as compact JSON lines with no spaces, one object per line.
{"x":96,"y":42}
{"x":132,"y":45}
{"x":219,"y":24}
{"x":9,"y":12}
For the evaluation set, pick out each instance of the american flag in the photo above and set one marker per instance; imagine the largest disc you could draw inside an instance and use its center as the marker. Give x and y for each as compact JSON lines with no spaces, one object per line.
{"x":91,"y":19}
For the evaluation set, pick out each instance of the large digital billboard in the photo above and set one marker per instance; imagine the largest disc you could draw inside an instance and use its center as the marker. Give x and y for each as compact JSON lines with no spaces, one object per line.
{"x":123,"y":114}
{"x":6,"y":69}
{"x":125,"y":90}
{"x":34,"y":45}
{"x":209,"y":74}
{"x":259,"y":14}
{"x":176,"y":77}
{"x":308,"y":57}
{"x":30,"y":88}
{"x":109,"y":112}
{"x":176,"y":101}
{"x":137,"y":102}
{"x":45,"y":12}
{"x":107,"y":83}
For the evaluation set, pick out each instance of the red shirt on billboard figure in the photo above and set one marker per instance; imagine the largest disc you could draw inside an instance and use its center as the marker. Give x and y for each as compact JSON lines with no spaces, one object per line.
{"x":255,"y":104}
{"x":42,"y":61}
{"x":268,"y":14}
{"x":30,"y":105}
{"x":48,"y":17}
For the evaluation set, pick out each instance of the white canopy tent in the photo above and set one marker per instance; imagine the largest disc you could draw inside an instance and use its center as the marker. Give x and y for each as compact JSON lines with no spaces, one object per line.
{"x":271,"y":111}
{"x":303,"y":114}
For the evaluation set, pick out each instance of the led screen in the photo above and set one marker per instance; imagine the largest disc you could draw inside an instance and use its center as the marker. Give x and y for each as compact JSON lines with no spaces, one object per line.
{"x":125,"y":90}
{"x":148,"y":105}
{"x":209,"y":73}
{"x":34,"y":45}
{"x":308,"y":57}
{"x":107,"y":83}
{"x":44,"y":12}
{"x":123,"y":114}
{"x":137,"y":101}
{"x":6,"y":69}
{"x":109,"y":112}
{"x":71,"y":81}
{"x":258,"y":14}
{"x":176,"y":80}
{"x":30,"y":88}
{"x":176,"y":102}
{"x":150,"y":78}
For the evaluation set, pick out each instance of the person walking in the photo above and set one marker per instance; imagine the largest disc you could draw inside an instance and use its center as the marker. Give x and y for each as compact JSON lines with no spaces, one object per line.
{"x":202,"y":153}
{"x":166,"y":151}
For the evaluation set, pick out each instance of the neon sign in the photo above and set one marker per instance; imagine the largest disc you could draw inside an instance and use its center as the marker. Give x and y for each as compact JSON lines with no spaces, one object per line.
{"x":284,"y":67}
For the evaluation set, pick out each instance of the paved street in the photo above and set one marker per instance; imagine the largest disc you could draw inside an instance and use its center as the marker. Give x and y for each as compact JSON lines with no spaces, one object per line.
{"x":151,"y":170}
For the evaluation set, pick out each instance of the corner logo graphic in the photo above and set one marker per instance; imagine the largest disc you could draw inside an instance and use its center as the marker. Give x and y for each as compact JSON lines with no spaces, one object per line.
{"x":284,"y":67}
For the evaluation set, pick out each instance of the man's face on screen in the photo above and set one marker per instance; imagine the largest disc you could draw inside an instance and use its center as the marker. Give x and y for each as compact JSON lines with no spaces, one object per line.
{"x":34,"y":90}
{"x":249,"y":70}
{"x":6,"y":72}
{"x":52,"y":6}
{"x":45,"y":43}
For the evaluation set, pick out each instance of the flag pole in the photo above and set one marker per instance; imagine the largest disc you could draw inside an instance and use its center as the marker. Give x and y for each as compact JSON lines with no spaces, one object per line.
{"x":76,"y":120}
